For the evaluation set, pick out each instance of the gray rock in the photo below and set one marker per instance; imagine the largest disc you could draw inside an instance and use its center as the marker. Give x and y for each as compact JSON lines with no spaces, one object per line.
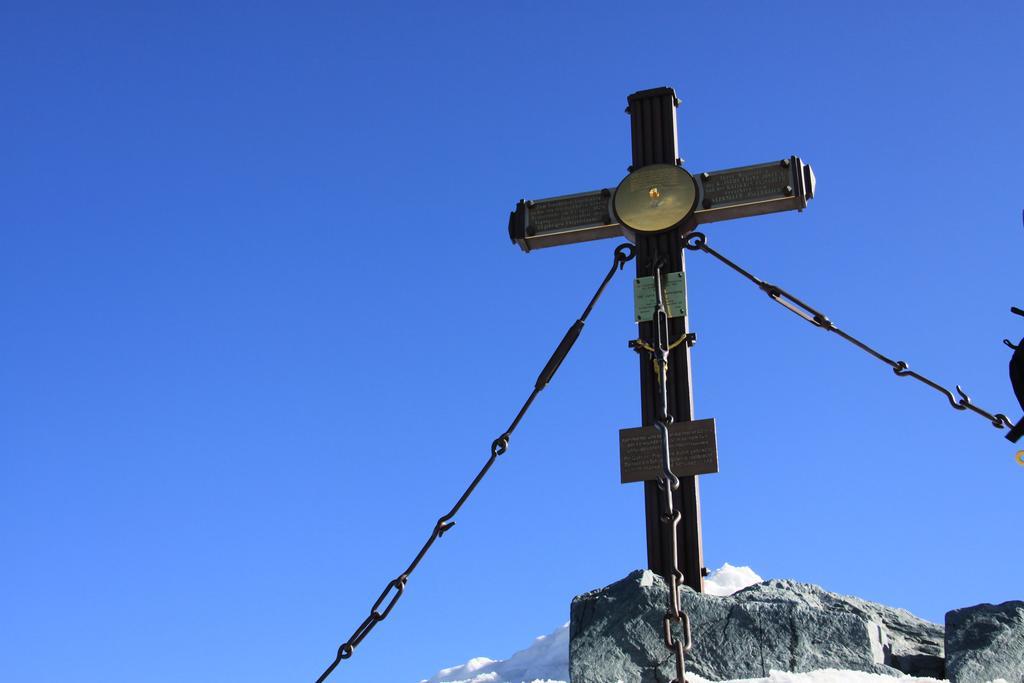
{"x":616,"y":633}
{"x":985,"y":642}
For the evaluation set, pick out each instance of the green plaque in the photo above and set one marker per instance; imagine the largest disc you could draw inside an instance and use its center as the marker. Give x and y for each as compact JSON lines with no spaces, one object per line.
{"x":644,"y":296}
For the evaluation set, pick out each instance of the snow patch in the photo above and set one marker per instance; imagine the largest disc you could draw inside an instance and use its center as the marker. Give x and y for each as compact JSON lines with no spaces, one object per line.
{"x":545,"y":661}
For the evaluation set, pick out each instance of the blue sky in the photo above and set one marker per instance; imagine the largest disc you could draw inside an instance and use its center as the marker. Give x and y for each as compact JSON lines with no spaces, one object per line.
{"x":261,"y":320}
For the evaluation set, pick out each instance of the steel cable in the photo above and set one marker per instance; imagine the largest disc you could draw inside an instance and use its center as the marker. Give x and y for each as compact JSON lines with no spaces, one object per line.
{"x":697,"y":241}
{"x":623,"y":254}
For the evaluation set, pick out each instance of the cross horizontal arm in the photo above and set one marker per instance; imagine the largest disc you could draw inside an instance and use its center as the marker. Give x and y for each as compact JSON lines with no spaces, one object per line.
{"x":754,"y":190}
{"x":722,"y":195}
{"x":566,"y":219}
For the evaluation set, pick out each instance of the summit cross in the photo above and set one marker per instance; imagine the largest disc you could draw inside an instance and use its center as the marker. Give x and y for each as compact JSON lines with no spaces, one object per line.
{"x":654,"y":207}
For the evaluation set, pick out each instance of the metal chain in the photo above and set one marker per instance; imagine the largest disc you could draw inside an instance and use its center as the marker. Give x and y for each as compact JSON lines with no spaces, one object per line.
{"x":623,"y":254}
{"x":696,"y":241}
{"x":669,"y":484}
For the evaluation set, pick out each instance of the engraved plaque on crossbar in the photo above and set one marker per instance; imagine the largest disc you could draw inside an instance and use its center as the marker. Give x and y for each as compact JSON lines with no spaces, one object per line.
{"x":693,"y":449}
{"x":747,"y":185}
{"x":571,"y":211}
{"x":754,"y":190}
{"x":563,"y":220}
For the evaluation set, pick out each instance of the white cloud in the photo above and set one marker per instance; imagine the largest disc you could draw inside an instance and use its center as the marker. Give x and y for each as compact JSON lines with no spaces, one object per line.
{"x":728,"y":579}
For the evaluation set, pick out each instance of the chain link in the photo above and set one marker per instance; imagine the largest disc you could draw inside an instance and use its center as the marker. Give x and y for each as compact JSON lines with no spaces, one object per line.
{"x":696,"y":241}
{"x":668,"y":484}
{"x":623,"y":254}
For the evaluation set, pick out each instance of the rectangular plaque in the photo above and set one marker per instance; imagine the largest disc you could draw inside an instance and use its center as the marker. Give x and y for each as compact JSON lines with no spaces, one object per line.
{"x":693,"y":450}
{"x":644,"y":296}
{"x":747,"y":184}
{"x":753,"y":190}
{"x":563,"y":220}
{"x":569,"y":212}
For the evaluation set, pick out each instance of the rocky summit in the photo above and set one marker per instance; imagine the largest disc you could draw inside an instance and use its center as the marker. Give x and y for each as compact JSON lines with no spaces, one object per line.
{"x":985,"y":643}
{"x":616,"y":633}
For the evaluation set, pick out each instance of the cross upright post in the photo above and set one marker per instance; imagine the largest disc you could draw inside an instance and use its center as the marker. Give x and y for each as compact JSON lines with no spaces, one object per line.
{"x":655,"y":141}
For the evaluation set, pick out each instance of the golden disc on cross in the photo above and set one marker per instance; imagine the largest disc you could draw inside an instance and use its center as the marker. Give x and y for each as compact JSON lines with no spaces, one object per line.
{"x":655,"y":198}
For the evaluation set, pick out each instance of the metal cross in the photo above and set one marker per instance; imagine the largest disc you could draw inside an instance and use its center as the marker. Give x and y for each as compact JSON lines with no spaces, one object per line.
{"x":654,"y":207}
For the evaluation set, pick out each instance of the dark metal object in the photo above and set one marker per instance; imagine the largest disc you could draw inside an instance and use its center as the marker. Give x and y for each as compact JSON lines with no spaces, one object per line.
{"x":655,"y":197}
{"x":623,"y":254}
{"x":650,"y":204}
{"x":1014,"y":309}
{"x":1017,"y":380}
{"x":755,"y":190}
{"x":775,"y":186}
{"x":693,"y":444}
{"x":697,"y":241}
{"x":654,"y":141}
{"x":669,"y":484}
{"x":563,"y":220}
{"x":672,"y":505}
